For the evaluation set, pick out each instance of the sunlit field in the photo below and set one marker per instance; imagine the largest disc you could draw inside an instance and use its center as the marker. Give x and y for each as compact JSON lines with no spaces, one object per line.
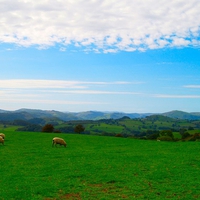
{"x":97,"y":167}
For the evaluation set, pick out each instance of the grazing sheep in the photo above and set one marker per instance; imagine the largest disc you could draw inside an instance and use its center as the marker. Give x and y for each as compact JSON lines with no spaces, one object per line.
{"x":1,"y":140}
{"x":2,"y":135}
{"x":59,"y":141}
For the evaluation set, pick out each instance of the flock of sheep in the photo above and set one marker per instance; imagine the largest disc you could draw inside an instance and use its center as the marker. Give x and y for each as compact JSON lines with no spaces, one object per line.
{"x":55,"y":141}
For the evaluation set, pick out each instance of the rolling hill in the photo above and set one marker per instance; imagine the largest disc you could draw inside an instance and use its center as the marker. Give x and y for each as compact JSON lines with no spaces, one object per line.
{"x":176,"y":114}
{"x":28,"y":114}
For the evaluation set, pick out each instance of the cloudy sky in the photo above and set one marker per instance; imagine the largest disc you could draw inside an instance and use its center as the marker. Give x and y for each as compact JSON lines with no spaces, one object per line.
{"x":105,"y":55}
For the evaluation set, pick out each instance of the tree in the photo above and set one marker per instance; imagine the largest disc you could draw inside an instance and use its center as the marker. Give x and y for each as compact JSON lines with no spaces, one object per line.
{"x":165,"y":138}
{"x":48,"y":128}
{"x":168,"y":133}
{"x":79,"y":128}
{"x":185,"y":135}
{"x":153,"y":136}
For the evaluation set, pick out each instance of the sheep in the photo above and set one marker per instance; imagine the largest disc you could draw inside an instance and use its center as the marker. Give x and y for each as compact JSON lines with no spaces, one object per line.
{"x":2,"y":135}
{"x":57,"y":140}
{"x":1,"y":140}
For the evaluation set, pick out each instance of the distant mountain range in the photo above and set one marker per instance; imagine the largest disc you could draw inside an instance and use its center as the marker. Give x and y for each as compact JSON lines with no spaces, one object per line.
{"x":28,"y":114}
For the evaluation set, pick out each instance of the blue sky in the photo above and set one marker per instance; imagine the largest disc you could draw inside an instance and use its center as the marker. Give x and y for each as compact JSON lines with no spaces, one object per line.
{"x":127,"y":56}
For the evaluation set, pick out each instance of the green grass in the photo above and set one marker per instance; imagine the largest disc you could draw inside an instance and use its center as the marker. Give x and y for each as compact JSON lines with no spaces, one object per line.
{"x":177,"y":135}
{"x":192,"y":132}
{"x":102,"y":127}
{"x":96,"y":167}
{"x":8,"y":128}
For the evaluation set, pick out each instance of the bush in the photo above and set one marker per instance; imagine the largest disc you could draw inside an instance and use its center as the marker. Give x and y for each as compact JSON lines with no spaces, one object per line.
{"x":48,"y":128}
{"x":165,"y":138}
{"x":185,"y":135}
{"x":118,"y":135}
{"x":195,"y":137}
{"x":79,"y":128}
{"x":153,"y":136}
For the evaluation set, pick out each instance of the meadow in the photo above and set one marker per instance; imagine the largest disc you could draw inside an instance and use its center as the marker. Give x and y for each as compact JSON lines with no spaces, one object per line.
{"x":97,"y":167}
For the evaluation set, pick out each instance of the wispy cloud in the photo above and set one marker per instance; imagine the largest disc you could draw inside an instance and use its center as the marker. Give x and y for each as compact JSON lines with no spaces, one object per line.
{"x":25,"y":83}
{"x":93,"y":92}
{"x":192,"y":86}
{"x":49,"y":101}
{"x":61,"y":84}
{"x":168,"y":96}
{"x":107,"y":26}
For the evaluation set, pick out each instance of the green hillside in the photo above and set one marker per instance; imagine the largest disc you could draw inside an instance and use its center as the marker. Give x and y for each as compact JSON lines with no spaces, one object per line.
{"x":32,"y":114}
{"x":150,"y":127}
{"x":176,"y":114}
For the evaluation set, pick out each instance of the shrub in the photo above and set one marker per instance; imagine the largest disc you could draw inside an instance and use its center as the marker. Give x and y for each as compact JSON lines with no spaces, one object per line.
{"x":185,"y":135}
{"x":79,"y":128}
{"x":118,"y":135}
{"x":48,"y":128}
{"x":153,"y":136}
{"x":195,"y":137}
{"x":165,"y":138}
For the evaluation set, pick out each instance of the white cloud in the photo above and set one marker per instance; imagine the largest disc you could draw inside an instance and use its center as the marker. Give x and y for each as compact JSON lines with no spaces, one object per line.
{"x":106,"y":26}
{"x":177,"y":96}
{"x":61,"y":84}
{"x":28,"y":84}
{"x":48,"y":101}
{"x":94,"y":92}
{"x":192,"y":86}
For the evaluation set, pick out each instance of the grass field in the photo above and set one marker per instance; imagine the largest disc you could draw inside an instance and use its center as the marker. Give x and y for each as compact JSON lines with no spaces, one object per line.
{"x":96,"y":167}
{"x":102,"y":127}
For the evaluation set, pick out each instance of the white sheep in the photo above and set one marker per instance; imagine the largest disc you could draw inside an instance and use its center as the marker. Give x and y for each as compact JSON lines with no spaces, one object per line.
{"x":60,"y":141}
{"x":1,"y":140}
{"x":2,"y":135}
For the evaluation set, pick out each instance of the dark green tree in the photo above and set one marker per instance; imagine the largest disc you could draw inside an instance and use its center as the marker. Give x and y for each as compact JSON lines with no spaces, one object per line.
{"x":168,"y":133}
{"x":185,"y":135}
{"x":79,"y":128}
{"x":48,"y":128}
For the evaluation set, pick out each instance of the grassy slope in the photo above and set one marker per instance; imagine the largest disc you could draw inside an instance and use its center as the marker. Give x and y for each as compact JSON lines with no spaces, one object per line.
{"x":94,"y":167}
{"x":105,"y":128}
{"x":134,"y":125}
